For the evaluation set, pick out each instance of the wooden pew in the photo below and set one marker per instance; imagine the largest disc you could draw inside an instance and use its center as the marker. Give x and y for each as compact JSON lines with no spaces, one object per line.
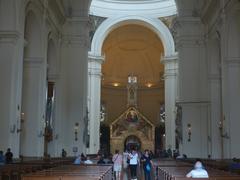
{"x":168,"y":163}
{"x":73,"y":172}
{"x":14,"y":171}
{"x":179,"y":173}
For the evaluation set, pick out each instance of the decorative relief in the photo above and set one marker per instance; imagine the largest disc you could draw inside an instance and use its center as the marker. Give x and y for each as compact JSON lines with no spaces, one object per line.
{"x":95,"y":22}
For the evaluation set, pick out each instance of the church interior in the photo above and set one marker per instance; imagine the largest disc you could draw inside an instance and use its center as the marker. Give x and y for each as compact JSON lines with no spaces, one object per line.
{"x":95,"y":76}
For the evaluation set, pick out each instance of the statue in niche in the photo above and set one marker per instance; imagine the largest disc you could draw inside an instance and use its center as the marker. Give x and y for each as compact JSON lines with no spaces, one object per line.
{"x":178,"y":122}
{"x":132,"y":91}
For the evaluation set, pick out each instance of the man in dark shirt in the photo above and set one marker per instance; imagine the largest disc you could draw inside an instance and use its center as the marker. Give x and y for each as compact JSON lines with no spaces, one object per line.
{"x":8,"y":156}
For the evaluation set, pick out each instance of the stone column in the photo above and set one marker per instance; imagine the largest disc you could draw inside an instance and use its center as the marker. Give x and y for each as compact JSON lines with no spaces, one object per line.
{"x":170,"y":77}
{"x":11,"y":44}
{"x":11,"y":52}
{"x":215,"y":91}
{"x":193,"y":86}
{"x":231,"y":80}
{"x":94,"y":93}
{"x":72,"y":94}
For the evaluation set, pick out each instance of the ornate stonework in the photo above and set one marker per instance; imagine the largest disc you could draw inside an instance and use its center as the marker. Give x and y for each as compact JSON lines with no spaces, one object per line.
{"x":132,"y":123}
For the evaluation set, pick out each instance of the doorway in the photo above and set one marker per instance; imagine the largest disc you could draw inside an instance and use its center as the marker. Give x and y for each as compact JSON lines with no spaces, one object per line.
{"x":132,"y":142}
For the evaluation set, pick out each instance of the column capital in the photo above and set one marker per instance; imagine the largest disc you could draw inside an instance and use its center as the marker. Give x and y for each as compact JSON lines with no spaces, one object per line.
{"x":170,"y":65}
{"x":94,"y":64}
{"x":95,"y":58}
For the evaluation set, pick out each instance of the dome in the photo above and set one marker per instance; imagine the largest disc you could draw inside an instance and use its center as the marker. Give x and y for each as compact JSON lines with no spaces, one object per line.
{"x":132,"y":50}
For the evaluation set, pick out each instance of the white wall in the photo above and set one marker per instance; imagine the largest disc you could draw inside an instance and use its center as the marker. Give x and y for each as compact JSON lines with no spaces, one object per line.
{"x":209,"y":77}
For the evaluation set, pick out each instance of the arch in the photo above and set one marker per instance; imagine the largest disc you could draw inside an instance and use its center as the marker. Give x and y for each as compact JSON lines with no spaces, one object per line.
{"x":51,"y":58}
{"x":132,"y":139}
{"x":31,"y":5}
{"x":152,"y":23}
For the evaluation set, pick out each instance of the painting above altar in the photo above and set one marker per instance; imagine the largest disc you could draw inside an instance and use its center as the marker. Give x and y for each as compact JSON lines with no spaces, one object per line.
{"x":132,"y":116}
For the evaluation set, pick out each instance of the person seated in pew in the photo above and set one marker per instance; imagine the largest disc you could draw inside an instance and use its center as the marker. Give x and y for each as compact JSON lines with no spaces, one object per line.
{"x":88,"y":161}
{"x":184,"y":156}
{"x":83,"y":157}
{"x":64,"y":153}
{"x":235,"y":165}
{"x":101,"y":160}
{"x":110,"y":159}
{"x":8,"y":156}
{"x":198,"y":171}
{"x":77,"y":160}
{"x":2,"y":158}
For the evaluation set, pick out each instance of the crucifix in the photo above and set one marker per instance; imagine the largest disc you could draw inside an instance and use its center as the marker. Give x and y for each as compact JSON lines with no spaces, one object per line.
{"x":132,"y":91}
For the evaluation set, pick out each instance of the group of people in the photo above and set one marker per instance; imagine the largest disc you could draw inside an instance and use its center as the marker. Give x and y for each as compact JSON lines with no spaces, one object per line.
{"x":82,"y":159}
{"x":7,"y":158}
{"x":127,"y":160}
{"x":131,"y":160}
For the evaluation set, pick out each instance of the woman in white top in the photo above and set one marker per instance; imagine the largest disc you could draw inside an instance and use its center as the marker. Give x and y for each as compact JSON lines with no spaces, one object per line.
{"x":117,"y":164}
{"x":198,"y":171}
{"x":133,"y":162}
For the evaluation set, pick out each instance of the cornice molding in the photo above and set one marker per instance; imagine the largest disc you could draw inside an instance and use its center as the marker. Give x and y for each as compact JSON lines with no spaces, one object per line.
{"x":31,"y":61}
{"x":9,"y":36}
{"x":214,"y":77}
{"x":95,"y":58}
{"x":150,"y":8}
{"x":232,"y":60}
{"x":170,"y":59}
{"x":75,"y":41}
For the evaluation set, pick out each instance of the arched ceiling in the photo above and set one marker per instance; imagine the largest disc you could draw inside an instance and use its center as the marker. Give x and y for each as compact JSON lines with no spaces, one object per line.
{"x":132,"y":49}
{"x":153,"y":8}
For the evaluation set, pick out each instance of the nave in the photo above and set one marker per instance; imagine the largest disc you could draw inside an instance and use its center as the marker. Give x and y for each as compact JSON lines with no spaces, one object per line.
{"x":73,"y":78}
{"x":63,"y":169}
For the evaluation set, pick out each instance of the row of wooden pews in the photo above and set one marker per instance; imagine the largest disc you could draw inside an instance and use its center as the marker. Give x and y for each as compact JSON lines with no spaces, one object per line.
{"x":15,"y":170}
{"x":174,"y":170}
{"x":73,"y":172}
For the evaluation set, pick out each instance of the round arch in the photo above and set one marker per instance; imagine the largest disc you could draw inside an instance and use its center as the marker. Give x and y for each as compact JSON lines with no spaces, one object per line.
{"x":152,"y":23}
{"x":132,"y":142}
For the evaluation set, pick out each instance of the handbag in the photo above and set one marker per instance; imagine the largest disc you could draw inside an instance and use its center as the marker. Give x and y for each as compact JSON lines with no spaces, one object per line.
{"x":148,"y":167}
{"x":115,"y":159}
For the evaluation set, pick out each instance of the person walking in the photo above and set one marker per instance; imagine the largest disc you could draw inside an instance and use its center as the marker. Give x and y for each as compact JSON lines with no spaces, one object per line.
{"x":147,"y":164}
{"x":117,"y":164}
{"x":133,"y":163}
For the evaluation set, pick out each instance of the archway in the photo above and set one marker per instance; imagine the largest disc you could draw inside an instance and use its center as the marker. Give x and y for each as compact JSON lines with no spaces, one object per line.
{"x":132,"y":142}
{"x":168,"y":55}
{"x":152,"y":23}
